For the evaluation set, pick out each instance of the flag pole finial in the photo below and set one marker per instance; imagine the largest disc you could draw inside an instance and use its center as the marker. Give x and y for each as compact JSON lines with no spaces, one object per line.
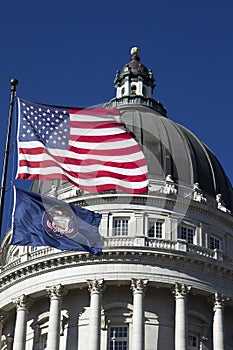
{"x":14,"y":82}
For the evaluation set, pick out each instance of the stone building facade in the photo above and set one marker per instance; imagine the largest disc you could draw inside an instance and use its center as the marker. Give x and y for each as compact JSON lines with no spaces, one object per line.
{"x":165,"y":279}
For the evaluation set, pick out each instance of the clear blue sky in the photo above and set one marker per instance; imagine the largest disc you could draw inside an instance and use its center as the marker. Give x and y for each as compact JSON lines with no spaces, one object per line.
{"x":67,"y":53}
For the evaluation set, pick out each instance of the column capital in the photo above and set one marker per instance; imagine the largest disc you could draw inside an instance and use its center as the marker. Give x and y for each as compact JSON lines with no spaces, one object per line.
{"x":181,"y":290}
{"x":95,"y":286}
{"x":56,"y":291}
{"x":138,"y":285}
{"x":219,"y":300}
{"x":22,"y":302}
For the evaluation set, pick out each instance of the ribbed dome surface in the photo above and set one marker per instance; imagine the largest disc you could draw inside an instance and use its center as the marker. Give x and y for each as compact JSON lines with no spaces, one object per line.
{"x":135,"y":66}
{"x":172,"y":149}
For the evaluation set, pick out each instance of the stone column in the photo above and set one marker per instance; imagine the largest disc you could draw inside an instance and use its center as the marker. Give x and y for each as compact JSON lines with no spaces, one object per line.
{"x":138,"y":288}
{"x":218,"y":322}
{"x":22,"y":304}
{"x":95,"y":288}
{"x":181,"y":324}
{"x":55,"y":294}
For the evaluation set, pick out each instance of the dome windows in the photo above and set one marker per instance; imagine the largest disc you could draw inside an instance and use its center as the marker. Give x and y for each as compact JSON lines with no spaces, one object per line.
{"x":187,"y":233}
{"x":214,"y":242}
{"x":155,"y":229}
{"x":120,"y":226}
{"x":133,"y":90}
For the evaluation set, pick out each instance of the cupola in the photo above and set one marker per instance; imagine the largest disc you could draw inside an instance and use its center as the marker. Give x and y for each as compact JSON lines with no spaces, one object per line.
{"x":135,"y":85}
{"x":134,"y":78}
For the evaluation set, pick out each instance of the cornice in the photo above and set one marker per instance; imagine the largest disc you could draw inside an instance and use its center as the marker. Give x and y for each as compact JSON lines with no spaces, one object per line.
{"x":167,"y":201}
{"x":184,"y":262}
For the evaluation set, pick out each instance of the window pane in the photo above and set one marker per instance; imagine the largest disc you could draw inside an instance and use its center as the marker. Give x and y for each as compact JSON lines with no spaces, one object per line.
{"x":151,"y":230}
{"x":214,"y":243}
{"x":120,"y":227}
{"x":193,"y":342}
{"x":159,"y":229}
{"x":118,"y":338}
{"x":155,"y":229}
{"x":186,"y":233}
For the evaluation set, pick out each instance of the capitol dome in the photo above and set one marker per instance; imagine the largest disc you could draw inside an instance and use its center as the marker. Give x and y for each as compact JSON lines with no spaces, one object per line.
{"x":165,"y":279}
{"x":170,"y":148}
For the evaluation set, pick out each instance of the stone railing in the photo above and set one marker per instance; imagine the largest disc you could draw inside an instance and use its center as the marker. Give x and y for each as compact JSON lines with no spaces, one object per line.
{"x":130,"y":242}
{"x":160,"y":243}
{"x":14,"y":263}
{"x":207,"y":252}
{"x":118,"y":241}
{"x":137,"y":99}
{"x":41,"y":252}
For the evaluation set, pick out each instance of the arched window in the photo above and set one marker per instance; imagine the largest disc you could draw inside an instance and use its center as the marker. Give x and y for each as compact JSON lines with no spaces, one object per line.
{"x":198,"y":330}
{"x":122,"y":91}
{"x":118,"y":317}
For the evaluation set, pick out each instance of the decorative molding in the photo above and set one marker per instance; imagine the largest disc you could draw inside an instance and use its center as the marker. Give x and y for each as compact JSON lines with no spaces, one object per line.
{"x":138,"y":285}
{"x":22,"y":302}
{"x":95,"y":286}
{"x":219,"y":300}
{"x":197,"y":194}
{"x":181,"y":290}
{"x":143,"y":256}
{"x":221,"y":204}
{"x":170,"y":187}
{"x":56,"y":291}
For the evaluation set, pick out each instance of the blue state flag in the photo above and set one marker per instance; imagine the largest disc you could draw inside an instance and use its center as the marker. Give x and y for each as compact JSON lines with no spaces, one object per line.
{"x":44,"y":221}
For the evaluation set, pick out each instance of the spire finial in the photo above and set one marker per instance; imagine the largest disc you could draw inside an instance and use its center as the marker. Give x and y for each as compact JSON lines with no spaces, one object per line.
{"x":135,"y":52}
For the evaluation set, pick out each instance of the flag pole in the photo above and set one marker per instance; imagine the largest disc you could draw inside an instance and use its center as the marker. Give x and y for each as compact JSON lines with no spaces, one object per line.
{"x":14,"y":83}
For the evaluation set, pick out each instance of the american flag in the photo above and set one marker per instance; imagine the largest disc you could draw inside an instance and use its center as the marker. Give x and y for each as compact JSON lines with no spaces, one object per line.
{"x":91,"y":148}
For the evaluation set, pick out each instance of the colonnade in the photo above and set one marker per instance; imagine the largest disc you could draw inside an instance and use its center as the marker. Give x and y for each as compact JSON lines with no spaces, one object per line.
{"x":96,"y":287}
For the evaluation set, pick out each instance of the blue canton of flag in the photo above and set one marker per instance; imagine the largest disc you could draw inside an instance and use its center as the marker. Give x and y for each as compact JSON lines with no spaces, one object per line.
{"x":45,"y":221}
{"x":46,"y":124}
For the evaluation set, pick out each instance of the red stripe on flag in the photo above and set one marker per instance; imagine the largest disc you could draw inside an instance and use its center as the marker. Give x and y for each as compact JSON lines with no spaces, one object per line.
{"x":101,"y":139}
{"x":81,"y":162}
{"x":104,"y":152}
{"x":95,"y":125}
{"x":99,"y":111}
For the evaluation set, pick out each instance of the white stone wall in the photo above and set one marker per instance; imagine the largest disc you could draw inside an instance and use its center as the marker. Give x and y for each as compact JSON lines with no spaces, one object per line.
{"x":162,"y":263}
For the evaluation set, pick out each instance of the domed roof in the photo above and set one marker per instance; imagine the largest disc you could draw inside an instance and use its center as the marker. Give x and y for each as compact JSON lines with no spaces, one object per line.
{"x":171,"y":149}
